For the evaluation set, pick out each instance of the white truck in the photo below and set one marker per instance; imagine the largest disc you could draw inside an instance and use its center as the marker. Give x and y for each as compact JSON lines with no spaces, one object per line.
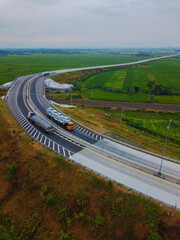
{"x":60,"y":118}
{"x":38,"y":121}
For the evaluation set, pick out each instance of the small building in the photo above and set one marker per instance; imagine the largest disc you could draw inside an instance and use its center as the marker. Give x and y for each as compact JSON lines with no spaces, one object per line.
{"x":52,"y":85}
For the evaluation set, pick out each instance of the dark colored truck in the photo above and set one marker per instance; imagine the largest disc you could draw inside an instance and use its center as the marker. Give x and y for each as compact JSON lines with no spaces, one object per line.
{"x":38,"y":121}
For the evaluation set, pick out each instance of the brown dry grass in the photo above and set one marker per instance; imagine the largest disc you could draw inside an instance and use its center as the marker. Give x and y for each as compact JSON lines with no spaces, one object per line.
{"x":95,"y":119}
{"x":42,"y":174}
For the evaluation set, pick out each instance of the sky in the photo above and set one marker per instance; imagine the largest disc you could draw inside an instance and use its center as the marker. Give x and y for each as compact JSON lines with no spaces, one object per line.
{"x":89,"y":23}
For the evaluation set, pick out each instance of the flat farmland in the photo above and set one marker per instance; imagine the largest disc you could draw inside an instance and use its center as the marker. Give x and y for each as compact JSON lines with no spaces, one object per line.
{"x":11,"y":66}
{"x":132,"y":83}
{"x":111,"y":80}
{"x":100,"y":94}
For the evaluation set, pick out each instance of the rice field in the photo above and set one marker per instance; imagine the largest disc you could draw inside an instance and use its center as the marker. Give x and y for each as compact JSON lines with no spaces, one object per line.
{"x":11,"y":66}
{"x":132,"y":83}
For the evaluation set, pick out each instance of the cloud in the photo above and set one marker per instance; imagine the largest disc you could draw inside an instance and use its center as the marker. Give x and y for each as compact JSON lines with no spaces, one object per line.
{"x":90,"y":23}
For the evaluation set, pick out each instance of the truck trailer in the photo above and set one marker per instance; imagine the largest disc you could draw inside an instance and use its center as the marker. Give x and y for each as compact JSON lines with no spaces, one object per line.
{"x":60,"y":119}
{"x":38,"y":121}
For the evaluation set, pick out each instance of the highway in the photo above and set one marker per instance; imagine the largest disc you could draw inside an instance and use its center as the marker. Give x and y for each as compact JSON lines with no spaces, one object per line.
{"x":132,"y":168}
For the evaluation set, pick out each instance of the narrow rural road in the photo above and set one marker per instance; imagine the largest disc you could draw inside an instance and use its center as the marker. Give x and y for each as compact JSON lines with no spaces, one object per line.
{"x":166,"y":107}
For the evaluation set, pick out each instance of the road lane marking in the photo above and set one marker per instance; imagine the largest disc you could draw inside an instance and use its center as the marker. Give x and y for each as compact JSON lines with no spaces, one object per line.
{"x":120,"y":163}
{"x":30,"y":129}
{"x":135,"y":169}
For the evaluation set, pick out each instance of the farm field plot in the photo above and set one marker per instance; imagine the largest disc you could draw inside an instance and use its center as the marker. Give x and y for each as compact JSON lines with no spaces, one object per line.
{"x":111,"y":80}
{"x":11,"y":66}
{"x":132,"y":83}
{"x":99,"y":94}
{"x":156,"y":127}
{"x":152,"y":123}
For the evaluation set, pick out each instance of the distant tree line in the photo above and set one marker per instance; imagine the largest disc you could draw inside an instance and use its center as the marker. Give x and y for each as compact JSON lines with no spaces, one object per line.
{"x":158,"y":89}
{"x":3,"y":53}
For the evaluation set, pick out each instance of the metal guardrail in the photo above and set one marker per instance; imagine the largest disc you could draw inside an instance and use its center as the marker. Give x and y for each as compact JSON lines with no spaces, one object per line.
{"x":141,"y":193}
{"x":117,"y":141}
{"x":132,"y":189}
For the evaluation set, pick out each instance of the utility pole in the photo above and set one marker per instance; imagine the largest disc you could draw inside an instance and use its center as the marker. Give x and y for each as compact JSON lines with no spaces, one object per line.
{"x":121,"y":115}
{"x":149,"y":95}
{"x":159,"y":173}
{"x":71,"y":96}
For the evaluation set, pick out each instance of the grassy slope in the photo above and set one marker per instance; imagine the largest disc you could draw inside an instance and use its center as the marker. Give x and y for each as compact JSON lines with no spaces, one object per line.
{"x":12,"y":66}
{"x":46,"y":197}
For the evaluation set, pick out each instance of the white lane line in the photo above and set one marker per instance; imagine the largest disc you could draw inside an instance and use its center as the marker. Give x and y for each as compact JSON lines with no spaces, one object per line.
{"x":35,"y":131}
{"x":58,"y":148}
{"x":21,"y":121}
{"x":53,"y":146}
{"x":38,"y":135}
{"x":25,"y":125}
{"x":18,"y":118}
{"x":41,"y":138}
{"x":96,"y":136}
{"x":49,"y":143}
{"x":78,"y":128}
{"x":30,"y":129}
{"x":83,"y":130}
{"x":63,"y":151}
{"x":86,"y":132}
{"x":69,"y":153}
{"x":92,"y":135}
{"x":44,"y":142}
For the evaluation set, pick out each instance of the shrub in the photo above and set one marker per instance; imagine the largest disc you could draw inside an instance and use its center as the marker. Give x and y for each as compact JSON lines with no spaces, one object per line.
{"x":44,"y":190}
{"x":98,"y":183}
{"x":49,"y":199}
{"x":64,"y":236}
{"x":11,"y":172}
{"x":64,"y":217}
{"x":7,"y":231}
{"x":100,"y":221}
{"x":154,"y":236}
{"x":86,"y":219}
{"x":5,"y":156}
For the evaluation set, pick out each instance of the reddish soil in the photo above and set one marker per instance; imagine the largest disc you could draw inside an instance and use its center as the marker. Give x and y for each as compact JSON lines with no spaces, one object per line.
{"x":166,"y":107}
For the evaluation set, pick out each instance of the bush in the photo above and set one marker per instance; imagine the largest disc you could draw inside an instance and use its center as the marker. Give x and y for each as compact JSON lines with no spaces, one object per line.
{"x":100,"y":221}
{"x":49,"y":199}
{"x":98,"y":183}
{"x":11,"y":172}
{"x":154,"y":236}
{"x":86,"y":219}
{"x":64,"y":236}
{"x":44,"y":190}
{"x":4,"y":156}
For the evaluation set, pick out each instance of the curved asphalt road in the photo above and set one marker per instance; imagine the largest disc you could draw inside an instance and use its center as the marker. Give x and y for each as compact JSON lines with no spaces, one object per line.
{"x":19,"y":102}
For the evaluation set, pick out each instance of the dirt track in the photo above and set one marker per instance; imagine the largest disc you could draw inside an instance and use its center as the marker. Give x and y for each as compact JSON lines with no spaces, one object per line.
{"x":166,"y":107}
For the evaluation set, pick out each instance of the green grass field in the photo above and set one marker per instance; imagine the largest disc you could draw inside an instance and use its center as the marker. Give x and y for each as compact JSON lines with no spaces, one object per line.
{"x":106,"y":84}
{"x":99,"y":94}
{"x":151,"y":122}
{"x":11,"y":66}
{"x":132,"y":82}
{"x":111,"y":79}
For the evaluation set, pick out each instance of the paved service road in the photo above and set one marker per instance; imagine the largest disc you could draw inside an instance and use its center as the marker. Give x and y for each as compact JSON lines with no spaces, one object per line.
{"x":166,"y":107}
